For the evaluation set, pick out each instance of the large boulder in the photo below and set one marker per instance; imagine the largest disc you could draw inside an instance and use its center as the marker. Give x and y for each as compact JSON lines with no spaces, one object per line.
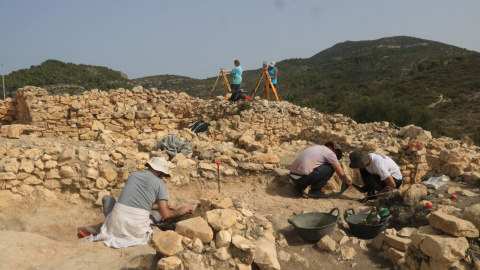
{"x":452,"y":225}
{"x":195,"y":227}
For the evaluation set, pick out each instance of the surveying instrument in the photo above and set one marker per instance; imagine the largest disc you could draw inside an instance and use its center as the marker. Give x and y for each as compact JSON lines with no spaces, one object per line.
{"x":268,"y":83}
{"x":225,"y":84}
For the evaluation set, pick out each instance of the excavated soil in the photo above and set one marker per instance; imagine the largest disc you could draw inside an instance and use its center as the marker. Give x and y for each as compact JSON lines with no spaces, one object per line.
{"x":40,"y":235}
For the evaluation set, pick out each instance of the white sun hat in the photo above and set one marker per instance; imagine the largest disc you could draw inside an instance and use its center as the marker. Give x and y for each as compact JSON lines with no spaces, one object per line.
{"x":159,"y":164}
{"x":272,"y":64}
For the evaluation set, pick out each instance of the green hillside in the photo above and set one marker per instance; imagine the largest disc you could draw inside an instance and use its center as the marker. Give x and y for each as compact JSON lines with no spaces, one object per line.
{"x":403,"y":80}
{"x":59,"y":77}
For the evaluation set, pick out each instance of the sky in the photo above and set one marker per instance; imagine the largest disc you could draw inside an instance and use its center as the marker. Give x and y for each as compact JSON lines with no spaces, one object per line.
{"x":197,"y":38}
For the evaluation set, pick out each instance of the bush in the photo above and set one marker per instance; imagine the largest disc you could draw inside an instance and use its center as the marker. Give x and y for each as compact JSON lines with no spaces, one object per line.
{"x":258,"y":137}
{"x":244,"y":105}
{"x":385,"y":108}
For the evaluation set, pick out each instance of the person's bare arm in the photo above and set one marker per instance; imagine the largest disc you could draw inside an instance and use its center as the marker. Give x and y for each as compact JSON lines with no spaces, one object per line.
{"x":341,"y":174}
{"x":155,"y":207}
{"x":389,"y":182}
{"x":166,"y":212}
{"x":276,"y":73}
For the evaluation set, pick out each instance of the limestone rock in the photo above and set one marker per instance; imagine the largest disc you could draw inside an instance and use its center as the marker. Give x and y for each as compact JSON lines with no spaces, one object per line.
{"x":168,"y":243}
{"x":222,"y":254}
{"x":406,"y":232}
{"x":444,"y":248}
{"x":245,"y":249}
{"x":283,"y":256}
{"x":347,"y":253}
{"x":452,"y":225}
{"x":251,"y":166}
{"x":327,"y":243}
{"x":472,"y":214}
{"x":221,"y":219}
{"x":195,"y":227}
{"x":223,"y":204}
{"x":269,"y":158}
{"x":397,"y":242}
{"x":197,"y":245}
{"x":395,"y":255}
{"x":266,"y":255}
{"x":170,"y":263}
{"x":419,"y":235}
{"x":223,"y":239}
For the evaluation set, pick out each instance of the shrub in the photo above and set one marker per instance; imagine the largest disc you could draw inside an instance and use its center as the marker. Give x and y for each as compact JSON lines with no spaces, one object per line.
{"x":386,"y":108}
{"x":244,"y":105}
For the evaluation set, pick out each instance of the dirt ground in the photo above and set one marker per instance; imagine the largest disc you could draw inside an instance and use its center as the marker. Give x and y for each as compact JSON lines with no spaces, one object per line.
{"x":44,"y":235}
{"x":39,"y":235}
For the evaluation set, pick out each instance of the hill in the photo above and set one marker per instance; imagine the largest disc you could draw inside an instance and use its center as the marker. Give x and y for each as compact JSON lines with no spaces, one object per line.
{"x":403,"y":80}
{"x":58,"y":78}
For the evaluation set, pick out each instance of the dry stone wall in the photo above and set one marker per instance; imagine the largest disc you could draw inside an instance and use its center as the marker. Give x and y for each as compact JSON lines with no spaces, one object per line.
{"x":7,"y":111}
{"x":98,"y":138}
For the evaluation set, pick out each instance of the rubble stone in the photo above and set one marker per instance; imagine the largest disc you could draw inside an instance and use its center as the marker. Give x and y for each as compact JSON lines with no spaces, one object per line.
{"x":452,"y":225}
{"x":195,"y":228}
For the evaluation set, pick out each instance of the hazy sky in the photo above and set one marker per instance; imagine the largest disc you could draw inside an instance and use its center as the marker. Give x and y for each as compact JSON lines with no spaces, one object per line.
{"x":197,"y":38}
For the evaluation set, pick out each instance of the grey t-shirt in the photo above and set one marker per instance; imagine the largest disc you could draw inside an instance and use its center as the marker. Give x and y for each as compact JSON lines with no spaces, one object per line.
{"x":142,"y":190}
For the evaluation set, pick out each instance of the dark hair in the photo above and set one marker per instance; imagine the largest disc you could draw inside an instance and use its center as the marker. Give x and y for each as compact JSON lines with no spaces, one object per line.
{"x":336,"y":149}
{"x":236,"y":62}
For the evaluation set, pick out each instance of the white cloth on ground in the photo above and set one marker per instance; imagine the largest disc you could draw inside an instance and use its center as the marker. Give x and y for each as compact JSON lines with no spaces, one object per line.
{"x":125,"y":226}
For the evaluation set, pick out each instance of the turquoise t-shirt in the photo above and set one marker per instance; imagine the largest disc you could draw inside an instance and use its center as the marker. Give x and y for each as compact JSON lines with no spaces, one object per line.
{"x":237,"y":75}
{"x":271,"y":72}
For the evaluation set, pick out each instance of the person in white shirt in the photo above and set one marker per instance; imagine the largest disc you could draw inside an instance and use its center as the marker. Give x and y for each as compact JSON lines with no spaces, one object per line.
{"x":379,"y":172}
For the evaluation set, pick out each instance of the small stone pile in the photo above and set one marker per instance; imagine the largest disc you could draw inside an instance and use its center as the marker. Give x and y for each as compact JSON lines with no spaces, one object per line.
{"x":219,"y":236}
{"x":442,"y":245}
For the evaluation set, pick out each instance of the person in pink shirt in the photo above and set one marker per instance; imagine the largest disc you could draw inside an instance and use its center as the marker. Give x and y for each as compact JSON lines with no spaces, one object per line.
{"x":314,"y":167}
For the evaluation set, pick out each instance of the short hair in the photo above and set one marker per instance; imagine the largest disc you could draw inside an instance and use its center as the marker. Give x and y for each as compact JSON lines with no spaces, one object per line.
{"x":236,"y":62}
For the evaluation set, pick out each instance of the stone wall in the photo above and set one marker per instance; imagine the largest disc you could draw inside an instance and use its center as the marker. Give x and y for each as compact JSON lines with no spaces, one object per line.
{"x":7,"y":111}
{"x":96,"y":139}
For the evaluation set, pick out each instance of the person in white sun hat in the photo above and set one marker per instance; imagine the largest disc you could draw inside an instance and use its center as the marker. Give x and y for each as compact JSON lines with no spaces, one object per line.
{"x":127,"y":222}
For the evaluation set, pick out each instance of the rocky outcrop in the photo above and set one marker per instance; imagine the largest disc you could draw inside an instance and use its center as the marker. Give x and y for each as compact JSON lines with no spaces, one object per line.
{"x":430,"y":247}
{"x":242,"y":240}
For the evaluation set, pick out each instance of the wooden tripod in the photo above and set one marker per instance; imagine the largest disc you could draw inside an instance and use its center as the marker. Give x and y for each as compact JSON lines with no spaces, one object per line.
{"x":225,"y":84}
{"x":268,"y":83}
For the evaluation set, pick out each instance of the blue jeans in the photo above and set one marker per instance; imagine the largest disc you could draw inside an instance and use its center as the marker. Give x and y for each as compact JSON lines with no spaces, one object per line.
{"x":108,"y":203}
{"x":318,"y":178}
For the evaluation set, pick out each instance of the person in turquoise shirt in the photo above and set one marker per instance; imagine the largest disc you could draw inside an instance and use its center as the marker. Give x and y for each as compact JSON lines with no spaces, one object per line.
{"x":236,"y":72}
{"x":273,"y":72}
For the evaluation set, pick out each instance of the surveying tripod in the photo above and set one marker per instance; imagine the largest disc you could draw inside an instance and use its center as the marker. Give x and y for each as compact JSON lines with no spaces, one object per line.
{"x":268,"y":83}
{"x":225,"y":84}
